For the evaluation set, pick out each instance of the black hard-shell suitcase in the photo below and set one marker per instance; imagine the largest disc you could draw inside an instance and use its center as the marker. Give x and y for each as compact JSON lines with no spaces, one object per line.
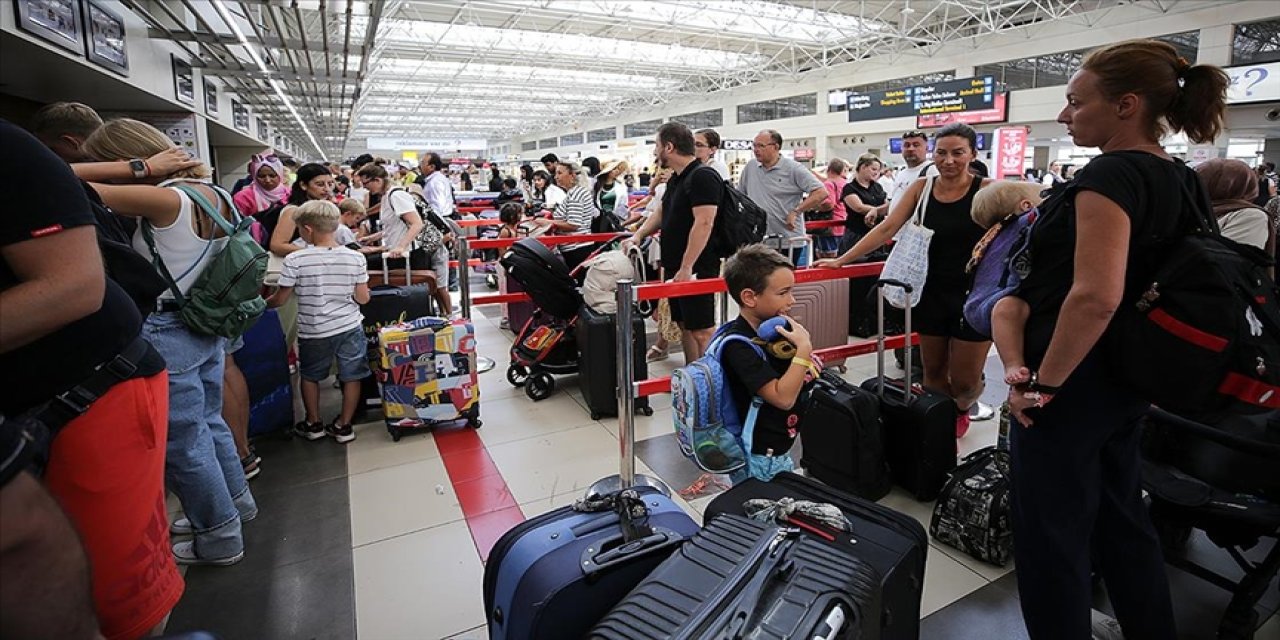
{"x":894,"y":543}
{"x":556,"y":574}
{"x":598,"y":361}
{"x":843,"y":438}
{"x":919,"y":425}
{"x":739,"y":578}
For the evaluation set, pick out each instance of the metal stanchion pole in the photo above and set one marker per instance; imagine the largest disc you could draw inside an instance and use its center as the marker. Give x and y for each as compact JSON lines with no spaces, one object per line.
{"x":627,"y":476}
{"x":483,"y":364}
{"x":724,"y":299}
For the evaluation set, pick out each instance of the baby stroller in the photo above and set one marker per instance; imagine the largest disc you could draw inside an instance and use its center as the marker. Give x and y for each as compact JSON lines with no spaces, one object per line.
{"x":546,"y":345}
{"x":1220,"y":479}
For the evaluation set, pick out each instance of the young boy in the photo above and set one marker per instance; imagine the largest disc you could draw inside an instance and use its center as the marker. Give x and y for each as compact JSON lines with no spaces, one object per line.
{"x":352,"y":213}
{"x":991,"y":206}
{"x":332,"y":282}
{"x":760,"y":281}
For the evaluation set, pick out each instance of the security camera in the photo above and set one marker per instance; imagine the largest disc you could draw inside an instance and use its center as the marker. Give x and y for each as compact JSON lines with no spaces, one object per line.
{"x":1273,"y":115}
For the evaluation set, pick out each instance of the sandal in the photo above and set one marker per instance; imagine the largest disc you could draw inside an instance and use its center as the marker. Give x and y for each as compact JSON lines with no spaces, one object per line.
{"x":704,"y":485}
{"x":654,"y":354}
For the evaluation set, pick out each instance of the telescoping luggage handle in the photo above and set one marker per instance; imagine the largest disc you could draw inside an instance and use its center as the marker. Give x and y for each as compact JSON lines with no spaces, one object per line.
{"x":880,"y":285}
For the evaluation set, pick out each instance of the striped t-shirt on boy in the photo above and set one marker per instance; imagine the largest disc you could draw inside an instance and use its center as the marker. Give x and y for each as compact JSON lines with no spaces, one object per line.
{"x":323,"y":280}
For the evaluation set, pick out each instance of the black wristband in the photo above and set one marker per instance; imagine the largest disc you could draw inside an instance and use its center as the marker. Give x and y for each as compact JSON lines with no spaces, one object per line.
{"x":1035,"y":385}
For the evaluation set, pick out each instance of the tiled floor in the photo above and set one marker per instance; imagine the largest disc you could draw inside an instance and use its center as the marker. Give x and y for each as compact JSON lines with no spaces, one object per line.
{"x":383,"y":541}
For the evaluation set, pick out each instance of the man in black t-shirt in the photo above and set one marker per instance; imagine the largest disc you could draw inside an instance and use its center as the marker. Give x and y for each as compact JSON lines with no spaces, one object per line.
{"x":71,"y":351}
{"x":687,"y":216}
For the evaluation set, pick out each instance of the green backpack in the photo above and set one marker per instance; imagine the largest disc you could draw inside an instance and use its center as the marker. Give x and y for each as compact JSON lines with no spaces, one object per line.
{"x":226,"y":298}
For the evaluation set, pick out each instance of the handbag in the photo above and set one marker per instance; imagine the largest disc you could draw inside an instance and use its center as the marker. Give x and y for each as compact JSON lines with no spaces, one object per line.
{"x":909,"y":260}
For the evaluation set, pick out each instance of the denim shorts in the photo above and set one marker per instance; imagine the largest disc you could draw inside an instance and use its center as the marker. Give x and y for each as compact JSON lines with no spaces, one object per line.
{"x":315,"y":355}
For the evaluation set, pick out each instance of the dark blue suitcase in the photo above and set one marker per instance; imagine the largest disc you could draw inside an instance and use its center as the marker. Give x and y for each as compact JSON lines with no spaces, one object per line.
{"x":555,"y":575}
{"x":264,"y":361}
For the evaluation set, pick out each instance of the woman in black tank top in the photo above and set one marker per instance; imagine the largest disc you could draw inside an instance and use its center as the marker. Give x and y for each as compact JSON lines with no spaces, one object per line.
{"x":952,"y":353}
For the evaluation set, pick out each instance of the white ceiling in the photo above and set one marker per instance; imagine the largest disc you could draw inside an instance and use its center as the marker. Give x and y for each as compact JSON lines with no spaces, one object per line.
{"x":330,"y":73}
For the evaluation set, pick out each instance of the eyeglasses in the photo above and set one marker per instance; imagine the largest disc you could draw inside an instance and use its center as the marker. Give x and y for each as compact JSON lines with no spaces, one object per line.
{"x":701,"y":145}
{"x":759,"y":145}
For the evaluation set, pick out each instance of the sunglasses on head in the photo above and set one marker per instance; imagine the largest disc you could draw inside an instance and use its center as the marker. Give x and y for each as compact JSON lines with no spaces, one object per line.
{"x":915,"y":134}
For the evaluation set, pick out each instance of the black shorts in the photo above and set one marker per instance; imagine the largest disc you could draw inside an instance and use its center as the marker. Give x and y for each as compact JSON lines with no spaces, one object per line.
{"x":941,"y":313}
{"x":694,"y":312}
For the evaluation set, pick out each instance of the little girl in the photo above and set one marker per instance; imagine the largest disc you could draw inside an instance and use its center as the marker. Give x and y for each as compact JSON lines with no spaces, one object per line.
{"x":1007,"y":210}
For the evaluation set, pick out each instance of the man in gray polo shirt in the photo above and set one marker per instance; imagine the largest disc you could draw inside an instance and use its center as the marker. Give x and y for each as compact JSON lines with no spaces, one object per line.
{"x":784,"y":189}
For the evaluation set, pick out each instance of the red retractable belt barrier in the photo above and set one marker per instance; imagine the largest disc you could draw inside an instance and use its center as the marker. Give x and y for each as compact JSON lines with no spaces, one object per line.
{"x":502,"y":243}
{"x":472,"y":209}
{"x":823,"y":224}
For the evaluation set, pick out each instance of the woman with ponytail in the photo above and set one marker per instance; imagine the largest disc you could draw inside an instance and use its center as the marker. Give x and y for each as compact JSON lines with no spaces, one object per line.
{"x":1075,"y":463}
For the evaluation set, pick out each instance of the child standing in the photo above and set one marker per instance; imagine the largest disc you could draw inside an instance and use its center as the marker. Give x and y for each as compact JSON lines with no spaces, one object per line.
{"x":1007,"y":209}
{"x":332,"y":282}
{"x":760,"y":281}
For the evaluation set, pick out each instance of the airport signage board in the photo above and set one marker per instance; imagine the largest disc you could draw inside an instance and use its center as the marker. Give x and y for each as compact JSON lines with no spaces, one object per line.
{"x":999,"y":113}
{"x":1254,"y":83}
{"x":1010,"y":151}
{"x":427,"y":144}
{"x":951,"y":96}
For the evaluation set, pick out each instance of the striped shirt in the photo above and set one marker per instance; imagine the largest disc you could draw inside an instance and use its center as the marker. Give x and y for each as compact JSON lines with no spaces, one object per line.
{"x":324,"y":279}
{"x":577,"y":208}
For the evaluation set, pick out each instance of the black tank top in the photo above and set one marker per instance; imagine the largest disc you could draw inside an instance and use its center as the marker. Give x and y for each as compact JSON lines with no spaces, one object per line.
{"x":954,"y":235}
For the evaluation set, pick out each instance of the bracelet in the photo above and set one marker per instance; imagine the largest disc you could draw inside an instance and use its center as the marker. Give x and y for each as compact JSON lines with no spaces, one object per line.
{"x":807,"y":364}
{"x":1035,"y":385}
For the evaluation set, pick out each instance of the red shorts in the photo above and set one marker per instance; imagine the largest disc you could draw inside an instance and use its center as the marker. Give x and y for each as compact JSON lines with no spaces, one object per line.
{"x":107,"y":471}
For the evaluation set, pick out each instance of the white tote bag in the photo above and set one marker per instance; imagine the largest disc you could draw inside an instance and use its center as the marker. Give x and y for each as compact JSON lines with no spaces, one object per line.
{"x":909,"y":260}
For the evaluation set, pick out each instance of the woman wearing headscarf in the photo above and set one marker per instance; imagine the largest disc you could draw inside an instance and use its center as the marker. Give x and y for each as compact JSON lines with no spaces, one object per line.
{"x":1231,"y":185}
{"x":267,"y":188}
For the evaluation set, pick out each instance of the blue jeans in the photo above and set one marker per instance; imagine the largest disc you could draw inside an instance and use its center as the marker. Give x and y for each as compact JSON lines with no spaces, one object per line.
{"x":316,"y":355}
{"x":201,"y":465}
{"x":763,"y":467}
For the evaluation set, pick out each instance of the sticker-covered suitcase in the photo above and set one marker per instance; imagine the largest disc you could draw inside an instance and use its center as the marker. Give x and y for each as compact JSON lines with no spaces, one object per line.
{"x":555,"y":575}
{"x":430,"y":366}
{"x":740,"y":578}
{"x":388,"y":305}
{"x":894,"y":543}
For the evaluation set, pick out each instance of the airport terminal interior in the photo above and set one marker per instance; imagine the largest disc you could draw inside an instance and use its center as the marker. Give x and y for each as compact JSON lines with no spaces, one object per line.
{"x":391,"y":527}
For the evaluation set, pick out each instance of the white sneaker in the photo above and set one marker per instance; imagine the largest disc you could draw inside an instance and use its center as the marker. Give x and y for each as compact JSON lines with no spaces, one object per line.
{"x":981,"y":411}
{"x":182,"y":526}
{"x":185,"y":553}
{"x":1105,"y":627}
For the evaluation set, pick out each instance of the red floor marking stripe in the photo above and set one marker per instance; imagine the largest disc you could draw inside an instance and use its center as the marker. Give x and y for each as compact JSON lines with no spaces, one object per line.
{"x":486,"y":501}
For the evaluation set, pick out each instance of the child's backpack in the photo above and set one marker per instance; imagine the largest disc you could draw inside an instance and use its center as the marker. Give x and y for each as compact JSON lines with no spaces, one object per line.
{"x":226,"y":298}
{"x":708,"y":428}
{"x":993,"y":269}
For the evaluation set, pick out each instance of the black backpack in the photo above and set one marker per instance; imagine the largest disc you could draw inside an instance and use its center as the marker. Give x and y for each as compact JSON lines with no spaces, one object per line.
{"x":739,"y":221}
{"x":130,"y":270}
{"x":545,"y":278}
{"x":269,"y":218}
{"x":1203,"y":336}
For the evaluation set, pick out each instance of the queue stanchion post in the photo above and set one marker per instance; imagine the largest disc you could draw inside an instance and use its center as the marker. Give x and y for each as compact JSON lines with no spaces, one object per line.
{"x":483,"y":363}
{"x":626,"y":394}
{"x":724,"y":299}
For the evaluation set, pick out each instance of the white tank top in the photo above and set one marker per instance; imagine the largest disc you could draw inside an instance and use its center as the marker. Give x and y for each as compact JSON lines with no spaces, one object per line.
{"x":184,"y":253}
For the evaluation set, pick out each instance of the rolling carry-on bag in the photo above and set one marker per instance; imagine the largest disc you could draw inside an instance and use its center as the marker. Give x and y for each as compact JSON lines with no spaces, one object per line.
{"x":388,"y":304}
{"x":597,"y":335}
{"x":822,"y":308}
{"x":740,"y":578}
{"x":893,"y":543}
{"x":555,"y":575}
{"x":516,"y":313}
{"x":265,"y":366}
{"x":919,"y":425}
{"x":430,"y":366}
{"x":843,"y":438}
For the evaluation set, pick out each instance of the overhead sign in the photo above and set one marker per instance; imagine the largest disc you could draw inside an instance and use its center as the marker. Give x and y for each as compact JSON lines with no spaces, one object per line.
{"x":968,"y":94}
{"x":999,"y":113}
{"x":736,"y":145}
{"x":804,"y":153}
{"x":1010,"y":152}
{"x":428,"y":144}
{"x":1254,"y":83}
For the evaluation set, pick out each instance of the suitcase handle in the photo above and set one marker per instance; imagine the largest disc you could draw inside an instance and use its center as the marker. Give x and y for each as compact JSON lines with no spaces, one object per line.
{"x":596,"y":559}
{"x":906,"y":365}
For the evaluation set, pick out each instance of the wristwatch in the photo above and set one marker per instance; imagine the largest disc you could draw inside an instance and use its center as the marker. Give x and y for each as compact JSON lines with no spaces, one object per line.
{"x":1035,"y":385}
{"x":139,"y":168}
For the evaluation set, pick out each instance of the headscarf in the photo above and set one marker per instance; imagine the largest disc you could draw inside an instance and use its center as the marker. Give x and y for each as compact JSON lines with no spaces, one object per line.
{"x":1231,"y":184}
{"x":262,"y":198}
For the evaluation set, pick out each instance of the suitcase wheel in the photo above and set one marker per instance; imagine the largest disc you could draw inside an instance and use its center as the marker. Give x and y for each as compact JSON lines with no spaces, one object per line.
{"x":539,"y":386}
{"x":395,"y":435}
{"x":517,"y":374}
{"x":648,"y":411}
{"x":473,"y":418}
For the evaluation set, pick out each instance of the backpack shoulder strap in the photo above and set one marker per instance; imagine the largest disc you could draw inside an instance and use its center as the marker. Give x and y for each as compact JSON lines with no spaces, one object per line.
{"x":208,"y":207}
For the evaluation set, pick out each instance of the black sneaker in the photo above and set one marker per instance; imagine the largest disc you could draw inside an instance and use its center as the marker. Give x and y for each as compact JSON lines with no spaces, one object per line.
{"x":250,"y":465}
{"x":309,"y":430}
{"x":343,"y":433}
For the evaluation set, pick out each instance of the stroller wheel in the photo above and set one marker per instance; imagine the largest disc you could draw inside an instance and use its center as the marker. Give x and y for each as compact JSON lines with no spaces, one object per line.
{"x":540,"y":386}
{"x":517,"y":374}
{"x":491,"y":281}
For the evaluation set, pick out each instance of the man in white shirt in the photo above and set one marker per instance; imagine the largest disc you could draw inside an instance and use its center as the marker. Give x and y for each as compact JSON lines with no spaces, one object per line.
{"x":915,"y":148}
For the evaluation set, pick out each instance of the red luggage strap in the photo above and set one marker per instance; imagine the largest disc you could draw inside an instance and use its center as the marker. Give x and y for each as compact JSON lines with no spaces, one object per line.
{"x":1187,"y":332}
{"x":1252,"y":391}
